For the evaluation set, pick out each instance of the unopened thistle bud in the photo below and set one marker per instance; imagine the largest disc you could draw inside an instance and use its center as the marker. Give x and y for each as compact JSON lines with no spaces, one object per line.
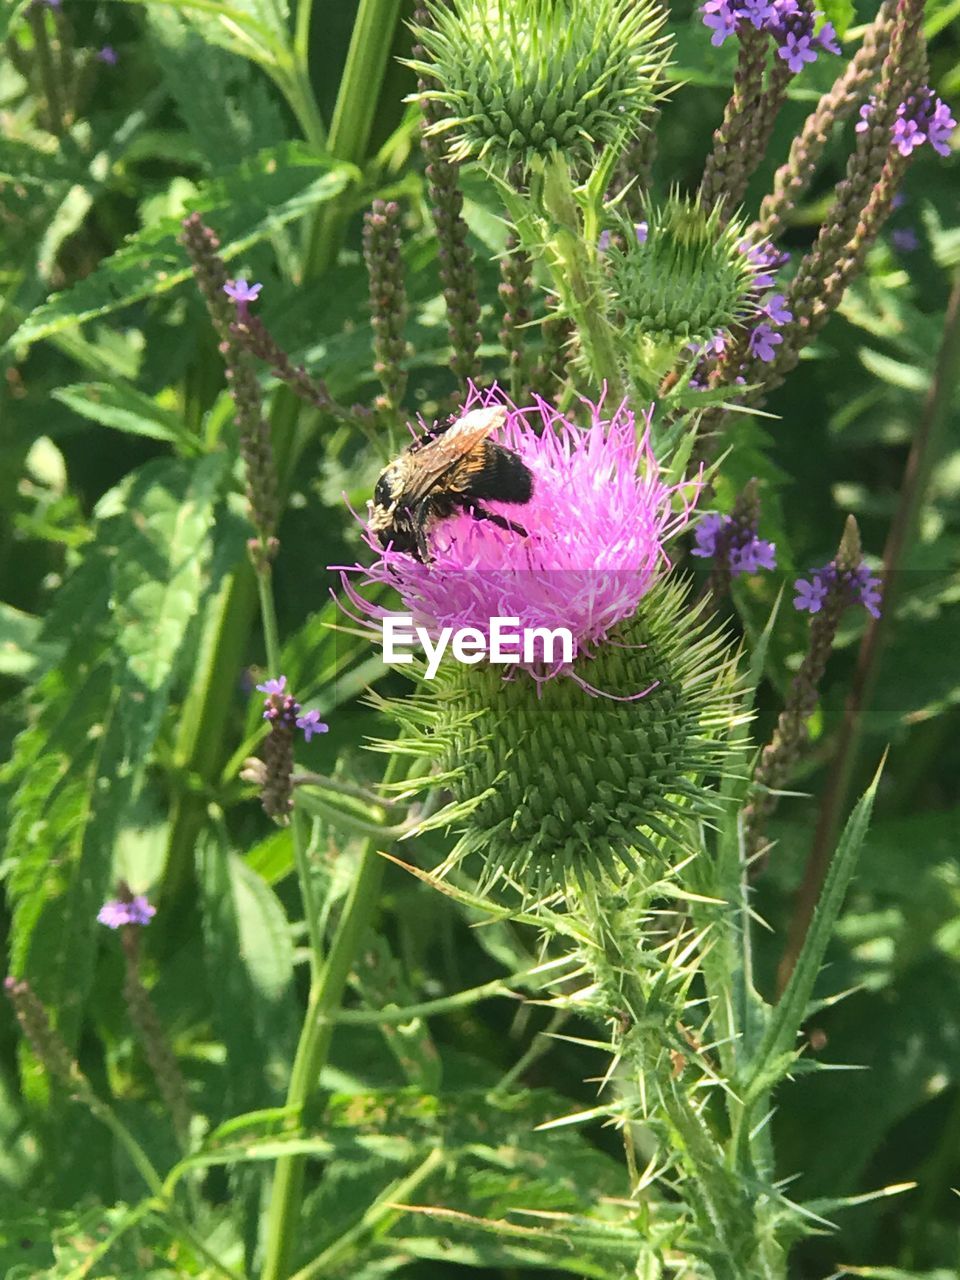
{"x":518,"y":80}
{"x":678,"y":277}
{"x":566,"y":765}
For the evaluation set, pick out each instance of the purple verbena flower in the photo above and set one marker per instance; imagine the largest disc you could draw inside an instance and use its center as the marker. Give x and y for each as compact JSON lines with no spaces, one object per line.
{"x":752,"y":556}
{"x":311,"y":723}
{"x":922,"y":117}
{"x":706,"y":533}
{"x":118,"y":911}
{"x":278,"y":705}
{"x":109,"y":55}
{"x":603,"y":243}
{"x":796,"y":51}
{"x":810,"y":595}
{"x":776,"y":310}
{"x":596,"y":526}
{"x":857,"y":586}
{"x":763,"y":342}
{"x":642,"y":230}
{"x":907,"y":136}
{"x":242,"y":294}
{"x":905,"y":239}
{"x":826,"y":37}
{"x":726,"y":538}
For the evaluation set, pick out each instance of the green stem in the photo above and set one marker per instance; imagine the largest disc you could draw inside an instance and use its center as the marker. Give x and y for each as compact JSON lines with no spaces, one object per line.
{"x":353,"y":113}
{"x":326,"y":993}
{"x":141,"y":1162}
{"x":268,"y":617}
{"x":311,"y":908}
{"x":379,"y":1216}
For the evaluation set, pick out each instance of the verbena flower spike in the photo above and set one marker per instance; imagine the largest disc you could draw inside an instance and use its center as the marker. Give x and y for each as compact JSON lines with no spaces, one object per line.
{"x":563,"y":770}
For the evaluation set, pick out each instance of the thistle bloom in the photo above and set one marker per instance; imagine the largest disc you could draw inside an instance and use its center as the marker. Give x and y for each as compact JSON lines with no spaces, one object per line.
{"x":560,"y":770}
{"x":596,"y":526}
{"x":118,"y":911}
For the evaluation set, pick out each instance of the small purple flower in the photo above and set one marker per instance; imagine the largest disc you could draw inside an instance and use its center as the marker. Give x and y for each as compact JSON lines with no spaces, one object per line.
{"x":603,"y":243}
{"x":905,"y":240}
{"x":857,"y":586}
{"x":796,"y":51}
{"x":763,"y":342}
{"x":907,"y":136}
{"x":898,"y":201}
{"x":826,"y":37}
{"x":752,"y":556}
{"x":273,"y":686}
{"x":311,"y":723}
{"x":865,"y":112}
{"x":242,"y":294}
{"x":109,"y":55}
{"x":118,"y":912}
{"x":776,"y":310}
{"x":706,"y":534}
{"x":642,"y":230}
{"x":940,"y":128}
{"x":765,"y":259}
{"x":722,"y":536}
{"x":719,"y":15}
{"x":810,"y":595}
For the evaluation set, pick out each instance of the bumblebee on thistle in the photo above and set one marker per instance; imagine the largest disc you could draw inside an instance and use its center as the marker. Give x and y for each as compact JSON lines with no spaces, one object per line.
{"x":450,"y":468}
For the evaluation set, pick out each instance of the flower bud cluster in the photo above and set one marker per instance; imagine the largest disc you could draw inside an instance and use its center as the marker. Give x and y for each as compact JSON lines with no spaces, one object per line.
{"x":382,"y":252}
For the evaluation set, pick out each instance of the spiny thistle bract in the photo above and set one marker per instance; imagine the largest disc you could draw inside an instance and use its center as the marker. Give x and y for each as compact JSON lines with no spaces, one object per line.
{"x":561,"y":769}
{"x":561,"y":782}
{"x":682,"y":276}
{"x":519,"y":79}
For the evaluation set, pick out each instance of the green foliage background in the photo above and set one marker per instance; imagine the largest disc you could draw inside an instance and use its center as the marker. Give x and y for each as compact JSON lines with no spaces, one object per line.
{"x":128,"y":638}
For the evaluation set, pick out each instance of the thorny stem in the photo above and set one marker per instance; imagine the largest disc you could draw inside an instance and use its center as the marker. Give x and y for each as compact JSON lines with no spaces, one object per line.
{"x":325,"y":995}
{"x":923,"y":455}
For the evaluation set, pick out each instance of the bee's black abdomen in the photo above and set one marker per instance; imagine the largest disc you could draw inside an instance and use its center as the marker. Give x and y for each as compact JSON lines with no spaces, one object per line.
{"x":504,"y":477}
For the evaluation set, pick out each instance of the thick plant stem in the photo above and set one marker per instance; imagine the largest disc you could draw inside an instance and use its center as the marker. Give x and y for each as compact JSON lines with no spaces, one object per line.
{"x":325,"y":996}
{"x":353,"y":115}
{"x":923,"y":455}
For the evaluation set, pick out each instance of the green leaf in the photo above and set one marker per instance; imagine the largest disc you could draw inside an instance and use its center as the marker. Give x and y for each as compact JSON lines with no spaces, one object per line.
{"x":22,"y":652}
{"x":123,"y":619}
{"x":841,"y":13}
{"x":117,"y":405}
{"x":248,"y":205}
{"x":250,"y":960}
{"x":779,"y":1039}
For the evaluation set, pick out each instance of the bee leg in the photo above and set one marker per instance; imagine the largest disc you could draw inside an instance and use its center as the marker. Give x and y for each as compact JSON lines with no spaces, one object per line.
{"x":421,"y":519}
{"x":474,"y":508}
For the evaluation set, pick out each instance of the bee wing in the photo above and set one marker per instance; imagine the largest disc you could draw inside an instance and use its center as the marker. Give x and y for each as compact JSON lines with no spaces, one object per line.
{"x":440,"y":455}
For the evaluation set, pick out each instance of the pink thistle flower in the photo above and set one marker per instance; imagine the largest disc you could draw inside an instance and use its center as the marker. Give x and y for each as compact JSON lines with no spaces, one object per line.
{"x":597,"y":524}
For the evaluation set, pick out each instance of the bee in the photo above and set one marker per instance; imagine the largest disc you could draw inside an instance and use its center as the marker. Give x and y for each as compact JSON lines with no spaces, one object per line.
{"x":450,"y":468}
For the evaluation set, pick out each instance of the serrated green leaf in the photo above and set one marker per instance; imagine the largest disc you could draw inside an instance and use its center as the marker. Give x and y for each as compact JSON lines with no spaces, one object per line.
{"x":121,"y":407}
{"x":266,"y":192}
{"x":123,"y":618}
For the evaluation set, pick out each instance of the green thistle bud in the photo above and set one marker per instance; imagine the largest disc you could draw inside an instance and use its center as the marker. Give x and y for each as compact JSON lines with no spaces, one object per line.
{"x":562,"y":782}
{"x":680,"y":276}
{"x":519,"y":79}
